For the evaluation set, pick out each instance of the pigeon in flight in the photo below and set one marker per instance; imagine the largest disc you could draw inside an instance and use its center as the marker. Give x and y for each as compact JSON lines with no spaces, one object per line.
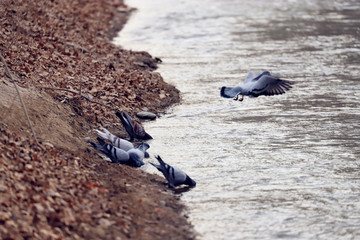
{"x":173,"y":175}
{"x":132,"y":127}
{"x":257,"y":84}
{"x":133,"y":157}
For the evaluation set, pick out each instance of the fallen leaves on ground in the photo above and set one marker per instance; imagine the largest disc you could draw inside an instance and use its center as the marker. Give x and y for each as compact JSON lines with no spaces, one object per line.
{"x":48,"y":194}
{"x":56,"y":193}
{"x":63,"y":44}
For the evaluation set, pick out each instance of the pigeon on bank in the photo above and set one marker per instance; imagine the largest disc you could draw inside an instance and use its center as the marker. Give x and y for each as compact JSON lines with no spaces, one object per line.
{"x":138,"y":153}
{"x":133,"y":157}
{"x":257,"y":84}
{"x":114,"y":140}
{"x":132,"y":127}
{"x":173,"y":175}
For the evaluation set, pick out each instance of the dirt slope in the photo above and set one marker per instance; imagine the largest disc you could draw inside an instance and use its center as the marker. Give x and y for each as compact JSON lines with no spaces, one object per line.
{"x":63,"y":190}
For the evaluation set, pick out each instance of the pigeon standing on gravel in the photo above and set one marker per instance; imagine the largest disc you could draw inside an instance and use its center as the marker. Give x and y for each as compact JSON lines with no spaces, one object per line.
{"x":173,"y":175}
{"x":257,"y":84}
{"x":132,"y":127}
{"x":133,"y":157}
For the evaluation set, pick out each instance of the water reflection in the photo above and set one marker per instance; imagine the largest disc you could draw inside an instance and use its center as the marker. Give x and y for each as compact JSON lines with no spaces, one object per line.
{"x":271,"y":167}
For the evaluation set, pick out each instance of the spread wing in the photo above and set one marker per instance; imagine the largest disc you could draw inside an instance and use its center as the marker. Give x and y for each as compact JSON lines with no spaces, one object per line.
{"x":252,"y":75}
{"x":268,"y":85}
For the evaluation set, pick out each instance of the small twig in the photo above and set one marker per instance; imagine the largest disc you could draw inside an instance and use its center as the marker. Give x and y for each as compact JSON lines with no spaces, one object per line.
{"x":77,"y":93}
{"x":21,"y":100}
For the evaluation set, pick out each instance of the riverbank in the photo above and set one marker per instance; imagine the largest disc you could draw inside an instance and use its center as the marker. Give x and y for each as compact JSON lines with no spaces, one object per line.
{"x":61,"y":57}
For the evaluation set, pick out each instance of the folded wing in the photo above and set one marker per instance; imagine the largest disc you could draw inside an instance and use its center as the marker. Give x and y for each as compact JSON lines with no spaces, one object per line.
{"x":116,"y":141}
{"x":132,"y":127}
{"x":173,"y":175}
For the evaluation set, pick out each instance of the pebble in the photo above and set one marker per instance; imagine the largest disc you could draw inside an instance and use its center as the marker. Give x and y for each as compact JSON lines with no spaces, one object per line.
{"x":146,"y":115}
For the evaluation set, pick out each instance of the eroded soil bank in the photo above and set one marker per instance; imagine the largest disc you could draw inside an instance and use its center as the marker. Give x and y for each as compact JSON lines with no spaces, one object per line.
{"x":59,"y":51}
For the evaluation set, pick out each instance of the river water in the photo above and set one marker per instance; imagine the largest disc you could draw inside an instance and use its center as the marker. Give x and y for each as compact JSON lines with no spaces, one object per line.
{"x":280,"y":167}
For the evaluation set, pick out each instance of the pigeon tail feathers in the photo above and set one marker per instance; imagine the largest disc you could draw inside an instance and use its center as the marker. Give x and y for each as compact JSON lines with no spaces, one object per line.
{"x":229,"y":92}
{"x":132,"y":127}
{"x":116,"y":141}
{"x":106,"y":134}
{"x":162,"y":163}
{"x":95,"y":145}
{"x":101,"y":146}
{"x":158,"y":167}
{"x":124,"y":118}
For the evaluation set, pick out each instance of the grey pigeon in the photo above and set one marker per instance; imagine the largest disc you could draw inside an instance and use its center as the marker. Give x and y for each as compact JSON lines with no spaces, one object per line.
{"x":132,"y":127}
{"x":118,"y":142}
{"x":173,"y":175}
{"x":137,"y":154}
{"x":257,"y":84}
{"x":114,"y":140}
{"x":134,"y":157}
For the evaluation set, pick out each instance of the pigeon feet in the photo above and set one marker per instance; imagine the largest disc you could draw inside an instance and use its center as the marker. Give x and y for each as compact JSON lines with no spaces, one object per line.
{"x":239,"y":99}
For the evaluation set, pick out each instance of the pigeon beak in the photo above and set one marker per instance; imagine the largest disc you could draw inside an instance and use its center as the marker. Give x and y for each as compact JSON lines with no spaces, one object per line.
{"x":137,"y":161}
{"x":193,"y":183}
{"x":190,"y":182}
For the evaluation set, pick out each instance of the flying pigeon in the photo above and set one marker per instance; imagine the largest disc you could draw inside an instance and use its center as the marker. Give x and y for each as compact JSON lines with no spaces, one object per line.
{"x":173,"y":175}
{"x":132,"y":127}
{"x":257,"y":84}
{"x":132,"y":158}
{"x":114,"y":140}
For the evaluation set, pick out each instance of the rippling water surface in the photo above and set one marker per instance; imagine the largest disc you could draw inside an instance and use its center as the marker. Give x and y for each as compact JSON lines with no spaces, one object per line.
{"x":281,"y":167}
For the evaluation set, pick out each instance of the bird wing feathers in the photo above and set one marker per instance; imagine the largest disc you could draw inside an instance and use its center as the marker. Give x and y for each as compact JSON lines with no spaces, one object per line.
{"x":124,"y":118}
{"x":256,"y":84}
{"x":132,"y":127}
{"x":115,"y":154}
{"x":116,"y":141}
{"x":268,"y":85}
{"x":252,"y":75}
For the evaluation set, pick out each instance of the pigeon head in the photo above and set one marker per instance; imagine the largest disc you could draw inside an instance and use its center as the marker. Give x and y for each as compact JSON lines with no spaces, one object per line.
{"x":135,"y":161}
{"x":136,"y":157}
{"x":143,"y":147}
{"x":190,"y":182}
